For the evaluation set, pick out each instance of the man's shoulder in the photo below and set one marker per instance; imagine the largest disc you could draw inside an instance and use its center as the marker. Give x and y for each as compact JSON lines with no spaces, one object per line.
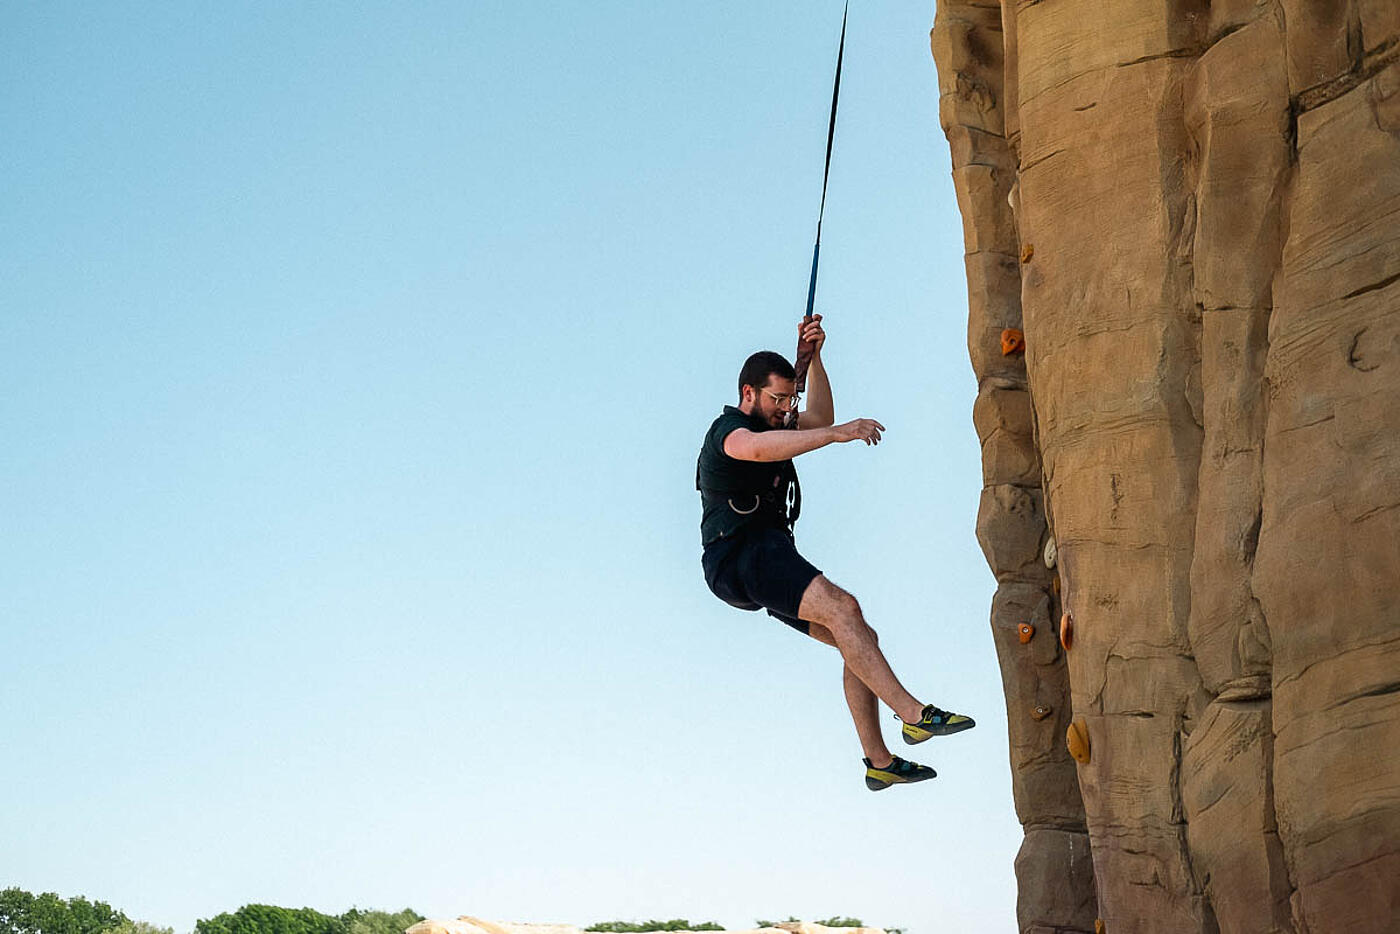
{"x":730,"y":419}
{"x":725,"y":424}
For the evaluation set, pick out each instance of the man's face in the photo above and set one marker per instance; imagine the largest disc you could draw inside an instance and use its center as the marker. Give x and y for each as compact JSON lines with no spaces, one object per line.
{"x":775,"y":400}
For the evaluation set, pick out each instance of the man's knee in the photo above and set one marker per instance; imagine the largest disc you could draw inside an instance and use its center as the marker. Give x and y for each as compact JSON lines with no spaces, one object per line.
{"x":831,"y":605}
{"x":847,"y":606}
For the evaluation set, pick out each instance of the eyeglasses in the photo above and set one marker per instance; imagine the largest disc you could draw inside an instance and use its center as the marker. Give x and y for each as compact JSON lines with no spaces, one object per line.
{"x":784,"y":400}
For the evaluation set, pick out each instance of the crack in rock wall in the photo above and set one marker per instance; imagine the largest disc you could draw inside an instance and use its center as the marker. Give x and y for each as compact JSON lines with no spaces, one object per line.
{"x":1191,"y":210}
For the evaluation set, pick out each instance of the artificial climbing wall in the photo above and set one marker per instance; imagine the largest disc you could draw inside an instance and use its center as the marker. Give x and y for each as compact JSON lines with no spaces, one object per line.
{"x":1191,"y":209}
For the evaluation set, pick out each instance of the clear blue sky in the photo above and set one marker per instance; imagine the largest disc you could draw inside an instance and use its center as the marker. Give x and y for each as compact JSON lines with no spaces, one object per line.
{"x":354,"y":359}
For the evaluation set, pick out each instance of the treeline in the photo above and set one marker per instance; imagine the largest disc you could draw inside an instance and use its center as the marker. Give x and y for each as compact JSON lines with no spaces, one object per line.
{"x":270,"y":919}
{"x":25,"y":913}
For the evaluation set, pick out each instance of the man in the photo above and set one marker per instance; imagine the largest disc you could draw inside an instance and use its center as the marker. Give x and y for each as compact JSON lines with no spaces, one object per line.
{"x":748,"y":488}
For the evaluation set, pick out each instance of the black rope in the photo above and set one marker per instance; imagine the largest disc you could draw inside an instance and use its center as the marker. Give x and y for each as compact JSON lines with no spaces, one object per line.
{"x":803,"y":359}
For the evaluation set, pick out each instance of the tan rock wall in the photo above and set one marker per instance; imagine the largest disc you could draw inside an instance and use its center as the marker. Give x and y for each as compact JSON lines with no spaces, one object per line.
{"x":1192,"y":210}
{"x":1053,"y":869}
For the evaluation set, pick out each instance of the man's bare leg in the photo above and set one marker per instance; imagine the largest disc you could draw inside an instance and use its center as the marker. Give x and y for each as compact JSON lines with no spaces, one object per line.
{"x":863,"y":704}
{"x":836,"y":611}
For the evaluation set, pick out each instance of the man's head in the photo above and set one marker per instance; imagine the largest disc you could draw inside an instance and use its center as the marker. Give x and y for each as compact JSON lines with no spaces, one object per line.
{"x":768,"y":387}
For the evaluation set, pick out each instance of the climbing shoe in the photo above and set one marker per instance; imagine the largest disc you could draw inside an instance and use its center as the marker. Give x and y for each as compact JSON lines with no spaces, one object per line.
{"x":935,"y":722}
{"x":898,"y":772}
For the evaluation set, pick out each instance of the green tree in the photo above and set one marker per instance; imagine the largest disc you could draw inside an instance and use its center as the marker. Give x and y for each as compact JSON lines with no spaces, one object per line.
{"x":379,"y":922}
{"x":270,"y":919}
{"x":24,"y":913}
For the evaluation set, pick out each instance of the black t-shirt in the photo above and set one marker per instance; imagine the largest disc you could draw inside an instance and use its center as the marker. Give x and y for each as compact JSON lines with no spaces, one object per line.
{"x":736,"y":493}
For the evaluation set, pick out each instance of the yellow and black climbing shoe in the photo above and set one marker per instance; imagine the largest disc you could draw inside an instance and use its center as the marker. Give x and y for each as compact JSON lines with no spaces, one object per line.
{"x":898,"y":772}
{"x":935,"y":722}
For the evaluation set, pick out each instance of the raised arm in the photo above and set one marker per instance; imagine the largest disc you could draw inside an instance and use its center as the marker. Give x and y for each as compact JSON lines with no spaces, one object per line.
{"x":742,"y":444}
{"x":820,"y":411}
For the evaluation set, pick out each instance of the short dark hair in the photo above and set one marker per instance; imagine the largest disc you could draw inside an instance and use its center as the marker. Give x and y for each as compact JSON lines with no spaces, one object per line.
{"x":762,"y":365}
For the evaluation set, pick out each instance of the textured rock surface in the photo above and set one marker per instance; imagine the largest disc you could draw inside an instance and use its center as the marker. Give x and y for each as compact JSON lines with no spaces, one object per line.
{"x":1192,"y":211}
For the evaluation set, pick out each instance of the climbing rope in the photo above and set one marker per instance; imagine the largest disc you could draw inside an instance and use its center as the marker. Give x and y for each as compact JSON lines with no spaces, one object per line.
{"x":805,"y":350}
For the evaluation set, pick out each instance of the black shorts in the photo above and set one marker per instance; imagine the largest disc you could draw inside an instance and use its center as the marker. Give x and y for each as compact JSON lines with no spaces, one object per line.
{"x":760,"y":569}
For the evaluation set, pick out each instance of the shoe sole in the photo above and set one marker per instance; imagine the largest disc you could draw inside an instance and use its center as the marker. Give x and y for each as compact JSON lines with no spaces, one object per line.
{"x":913,"y":740}
{"x":875,"y":784}
{"x":879,"y":784}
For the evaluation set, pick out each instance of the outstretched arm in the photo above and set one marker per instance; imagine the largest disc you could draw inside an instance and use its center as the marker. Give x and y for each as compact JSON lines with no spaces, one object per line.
{"x":820,"y":411}
{"x":742,"y":444}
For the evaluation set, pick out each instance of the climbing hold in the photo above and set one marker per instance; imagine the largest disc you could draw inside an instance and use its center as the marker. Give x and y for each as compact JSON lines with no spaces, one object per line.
{"x":1052,"y":553}
{"x":1013,"y":341}
{"x":1041,"y":711}
{"x":1027,"y":251}
{"x":1024,"y":632}
{"x":1055,"y":585}
{"x":1077,"y":739}
{"x":1099,"y":927}
{"x":1067,"y":630}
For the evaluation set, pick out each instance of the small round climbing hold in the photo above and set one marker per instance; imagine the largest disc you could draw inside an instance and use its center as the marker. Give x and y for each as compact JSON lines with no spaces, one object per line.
{"x":1027,"y":251}
{"x":1013,"y":341}
{"x":1067,"y":630}
{"x":1024,"y":632}
{"x":1052,"y":553}
{"x":1041,"y":711}
{"x":1077,"y":739}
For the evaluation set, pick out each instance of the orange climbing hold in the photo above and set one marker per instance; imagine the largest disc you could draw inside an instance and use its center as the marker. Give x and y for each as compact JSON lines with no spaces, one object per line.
{"x":1055,"y":585}
{"x":1041,"y":711}
{"x":1013,"y":341}
{"x":1077,"y":739}
{"x":1099,"y":927}
{"x":1067,"y":631}
{"x":1027,"y":251}
{"x":1024,"y":632}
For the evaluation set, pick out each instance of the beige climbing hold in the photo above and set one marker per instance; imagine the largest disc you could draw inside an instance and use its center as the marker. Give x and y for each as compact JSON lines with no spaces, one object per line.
{"x":1067,"y":630}
{"x":1052,"y":553}
{"x":1027,"y":251}
{"x":1077,"y":739}
{"x":1013,"y":341}
{"x":1041,"y":711}
{"x":1024,"y":632}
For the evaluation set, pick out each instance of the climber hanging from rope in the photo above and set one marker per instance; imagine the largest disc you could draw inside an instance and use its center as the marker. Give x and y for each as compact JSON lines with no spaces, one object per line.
{"x":751,"y":500}
{"x":749,"y":491}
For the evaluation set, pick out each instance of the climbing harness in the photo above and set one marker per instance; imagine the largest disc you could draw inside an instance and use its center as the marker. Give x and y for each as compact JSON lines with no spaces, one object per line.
{"x":805,"y":350}
{"x":781,"y":505}
{"x":739,"y":494}
{"x":778,"y":506}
